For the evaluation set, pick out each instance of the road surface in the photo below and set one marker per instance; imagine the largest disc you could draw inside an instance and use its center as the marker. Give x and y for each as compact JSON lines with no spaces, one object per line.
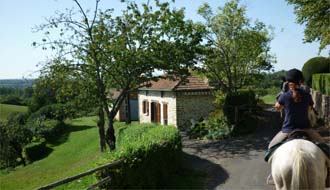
{"x":235,"y":163}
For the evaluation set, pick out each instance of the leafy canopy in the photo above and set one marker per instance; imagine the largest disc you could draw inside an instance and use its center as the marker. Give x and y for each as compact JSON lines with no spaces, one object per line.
{"x":103,"y":52}
{"x":236,"y":49}
{"x":315,"y":16}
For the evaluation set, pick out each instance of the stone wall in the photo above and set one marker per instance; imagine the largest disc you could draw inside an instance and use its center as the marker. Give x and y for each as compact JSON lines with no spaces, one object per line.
{"x":161,"y":97}
{"x":193,"y":105}
{"x":322,"y":105}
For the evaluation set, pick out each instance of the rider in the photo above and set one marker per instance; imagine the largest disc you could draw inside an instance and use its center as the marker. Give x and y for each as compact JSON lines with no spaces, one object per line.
{"x":296,"y":102}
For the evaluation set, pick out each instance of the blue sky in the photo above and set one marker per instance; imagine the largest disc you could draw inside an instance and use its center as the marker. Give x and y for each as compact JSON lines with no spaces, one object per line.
{"x":19,"y":59}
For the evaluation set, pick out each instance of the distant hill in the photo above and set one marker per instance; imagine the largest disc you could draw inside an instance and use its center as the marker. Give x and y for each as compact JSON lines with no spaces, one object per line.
{"x":16,"y":83}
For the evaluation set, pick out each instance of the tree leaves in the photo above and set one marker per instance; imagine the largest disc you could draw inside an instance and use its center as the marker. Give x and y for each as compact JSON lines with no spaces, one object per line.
{"x":102,"y":52}
{"x":315,"y":15}
{"x":235,"y":49}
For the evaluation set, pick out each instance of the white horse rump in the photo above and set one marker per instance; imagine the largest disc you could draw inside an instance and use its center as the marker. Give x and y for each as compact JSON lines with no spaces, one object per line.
{"x":299,"y":165}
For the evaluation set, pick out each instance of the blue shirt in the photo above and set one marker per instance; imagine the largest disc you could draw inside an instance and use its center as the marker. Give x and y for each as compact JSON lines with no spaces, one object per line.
{"x":296,"y":113}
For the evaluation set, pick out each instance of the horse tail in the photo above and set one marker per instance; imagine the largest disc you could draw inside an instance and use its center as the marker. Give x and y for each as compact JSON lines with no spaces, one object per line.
{"x":299,"y":172}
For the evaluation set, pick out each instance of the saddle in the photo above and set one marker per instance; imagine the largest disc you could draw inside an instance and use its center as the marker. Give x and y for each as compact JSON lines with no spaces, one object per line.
{"x":297,"y":134}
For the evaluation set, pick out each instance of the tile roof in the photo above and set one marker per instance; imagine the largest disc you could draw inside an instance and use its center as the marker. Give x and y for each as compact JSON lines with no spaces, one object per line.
{"x":192,"y":82}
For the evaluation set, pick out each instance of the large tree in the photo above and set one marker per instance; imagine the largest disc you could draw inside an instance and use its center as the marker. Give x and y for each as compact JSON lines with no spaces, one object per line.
{"x":121,"y":52}
{"x":59,"y":85}
{"x":315,"y":16}
{"x":236,"y":49}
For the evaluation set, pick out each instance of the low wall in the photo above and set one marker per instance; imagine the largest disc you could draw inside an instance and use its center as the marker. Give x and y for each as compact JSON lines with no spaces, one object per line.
{"x":322,"y":105}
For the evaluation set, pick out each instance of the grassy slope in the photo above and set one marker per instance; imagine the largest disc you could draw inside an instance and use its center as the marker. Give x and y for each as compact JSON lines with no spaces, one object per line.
{"x":77,"y":154}
{"x":6,"y":109}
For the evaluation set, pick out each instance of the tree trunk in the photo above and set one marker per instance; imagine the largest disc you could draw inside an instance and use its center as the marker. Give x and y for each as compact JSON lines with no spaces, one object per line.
{"x":110,"y":135}
{"x":100,"y":125}
{"x":128,"y":109}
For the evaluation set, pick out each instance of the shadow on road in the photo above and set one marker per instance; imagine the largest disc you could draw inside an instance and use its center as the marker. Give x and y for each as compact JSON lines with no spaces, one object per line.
{"x":223,"y":160}
{"x":213,"y":174}
{"x":242,"y":146}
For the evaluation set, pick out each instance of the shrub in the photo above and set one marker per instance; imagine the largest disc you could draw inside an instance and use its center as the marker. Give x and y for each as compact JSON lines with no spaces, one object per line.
{"x":218,"y":126}
{"x":51,"y":129}
{"x":34,"y":150}
{"x":150,"y":154}
{"x":244,"y":104}
{"x":215,"y":127}
{"x":313,"y":66}
{"x":219,"y":99}
{"x":222,"y":124}
{"x":321,"y":83}
{"x":48,"y":120}
{"x":14,"y":136}
{"x":47,"y":128}
{"x":53,"y":111}
{"x":197,"y":129}
{"x":246,"y":125}
{"x":8,"y":154}
{"x":243,"y":101}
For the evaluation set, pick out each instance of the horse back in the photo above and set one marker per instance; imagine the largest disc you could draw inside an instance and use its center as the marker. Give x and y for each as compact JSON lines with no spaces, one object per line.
{"x":299,"y":162}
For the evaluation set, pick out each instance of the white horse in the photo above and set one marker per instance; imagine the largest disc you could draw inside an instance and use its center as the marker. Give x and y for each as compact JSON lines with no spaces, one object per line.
{"x":299,"y":165}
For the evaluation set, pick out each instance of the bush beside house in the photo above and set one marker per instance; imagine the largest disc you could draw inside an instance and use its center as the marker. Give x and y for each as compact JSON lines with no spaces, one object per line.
{"x":235,"y":115}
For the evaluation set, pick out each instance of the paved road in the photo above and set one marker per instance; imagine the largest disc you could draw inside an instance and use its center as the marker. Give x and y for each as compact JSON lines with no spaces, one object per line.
{"x":236,"y":163}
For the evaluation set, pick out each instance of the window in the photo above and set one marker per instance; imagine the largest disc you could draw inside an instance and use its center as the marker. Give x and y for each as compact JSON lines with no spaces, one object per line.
{"x":145,"y":107}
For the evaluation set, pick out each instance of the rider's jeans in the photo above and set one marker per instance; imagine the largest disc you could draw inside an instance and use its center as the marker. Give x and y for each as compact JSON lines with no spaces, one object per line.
{"x":314,"y":135}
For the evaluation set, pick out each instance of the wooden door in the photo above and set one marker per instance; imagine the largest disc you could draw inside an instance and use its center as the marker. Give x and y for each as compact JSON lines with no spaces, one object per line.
{"x":157,"y":112}
{"x":165,"y":117}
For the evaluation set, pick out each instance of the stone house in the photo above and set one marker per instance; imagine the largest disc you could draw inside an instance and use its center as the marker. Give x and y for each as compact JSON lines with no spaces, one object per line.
{"x":175,"y":102}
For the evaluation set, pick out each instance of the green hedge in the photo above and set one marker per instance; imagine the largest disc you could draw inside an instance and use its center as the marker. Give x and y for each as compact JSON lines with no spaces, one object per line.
{"x":34,"y":150}
{"x":313,"y":66}
{"x":151,"y":154}
{"x":321,"y":83}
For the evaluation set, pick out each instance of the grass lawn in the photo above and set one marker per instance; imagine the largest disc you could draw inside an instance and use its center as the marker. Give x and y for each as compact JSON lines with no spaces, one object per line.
{"x":6,"y":109}
{"x":77,"y":154}
{"x":269,"y":99}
